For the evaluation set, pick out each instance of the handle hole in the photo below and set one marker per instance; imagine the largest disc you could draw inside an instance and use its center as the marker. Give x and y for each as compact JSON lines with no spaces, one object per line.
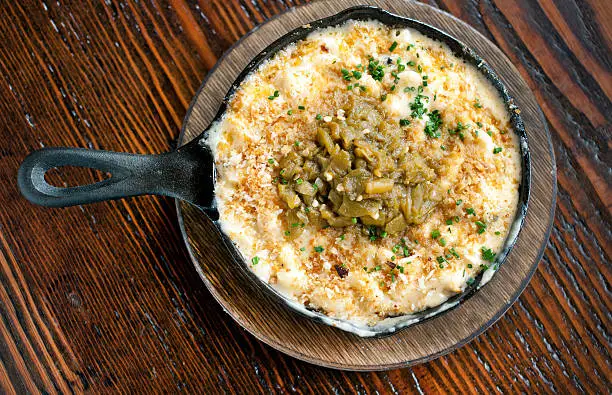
{"x":72,"y":176}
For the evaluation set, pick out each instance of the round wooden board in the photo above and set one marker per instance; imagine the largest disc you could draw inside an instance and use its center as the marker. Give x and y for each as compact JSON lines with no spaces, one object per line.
{"x":302,"y":338}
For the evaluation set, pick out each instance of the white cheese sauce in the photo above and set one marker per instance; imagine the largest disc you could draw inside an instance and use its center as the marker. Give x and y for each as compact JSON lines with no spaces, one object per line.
{"x":477,"y":156}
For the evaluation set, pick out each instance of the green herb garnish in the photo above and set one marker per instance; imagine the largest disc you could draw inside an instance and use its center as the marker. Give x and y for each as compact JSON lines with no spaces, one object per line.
{"x":481,"y":227}
{"x":432,"y":125}
{"x":487,"y":254}
{"x":375,"y":69}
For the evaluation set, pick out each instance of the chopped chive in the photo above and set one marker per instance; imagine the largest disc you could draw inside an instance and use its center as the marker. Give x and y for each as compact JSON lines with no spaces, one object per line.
{"x":497,"y":150}
{"x":470,"y":211}
{"x":318,"y":249}
{"x":303,"y":249}
{"x":482,"y":227}
{"x":404,"y":122}
{"x":289,"y":112}
{"x":393,"y":46}
{"x":271,"y":161}
{"x":435,"y":234}
{"x":299,"y":181}
{"x":319,"y":117}
{"x":354,"y":220}
{"x":459,"y":202}
{"x":301,"y":108}
{"x":488,"y":254}
{"x":342,"y":237}
{"x":255,"y":260}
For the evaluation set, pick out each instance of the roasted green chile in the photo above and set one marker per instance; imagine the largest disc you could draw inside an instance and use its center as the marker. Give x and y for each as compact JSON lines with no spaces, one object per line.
{"x":358,"y":171}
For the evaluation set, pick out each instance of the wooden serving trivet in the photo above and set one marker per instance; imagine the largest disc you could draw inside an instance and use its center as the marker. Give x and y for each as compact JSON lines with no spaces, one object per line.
{"x":297,"y":336}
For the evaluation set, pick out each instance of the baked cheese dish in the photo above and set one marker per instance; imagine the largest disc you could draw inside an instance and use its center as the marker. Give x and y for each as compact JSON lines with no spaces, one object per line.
{"x":367,"y":172}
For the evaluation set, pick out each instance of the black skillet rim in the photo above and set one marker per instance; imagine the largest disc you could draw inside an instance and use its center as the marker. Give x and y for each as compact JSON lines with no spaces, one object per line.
{"x":462,"y":51}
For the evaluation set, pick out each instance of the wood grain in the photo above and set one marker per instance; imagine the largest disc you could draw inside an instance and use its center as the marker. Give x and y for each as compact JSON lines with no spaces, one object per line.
{"x":268,"y":320}
{"x":104,"y":297}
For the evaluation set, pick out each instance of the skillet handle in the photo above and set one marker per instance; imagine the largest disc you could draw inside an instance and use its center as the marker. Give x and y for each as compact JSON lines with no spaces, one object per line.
{"x":187,"y":173}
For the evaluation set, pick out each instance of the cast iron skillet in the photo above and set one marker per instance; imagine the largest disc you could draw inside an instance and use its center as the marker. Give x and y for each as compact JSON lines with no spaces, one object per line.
{"x":188,"y":173}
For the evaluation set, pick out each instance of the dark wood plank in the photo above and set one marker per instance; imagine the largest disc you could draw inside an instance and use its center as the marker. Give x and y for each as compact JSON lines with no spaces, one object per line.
{"x":104,"y":297}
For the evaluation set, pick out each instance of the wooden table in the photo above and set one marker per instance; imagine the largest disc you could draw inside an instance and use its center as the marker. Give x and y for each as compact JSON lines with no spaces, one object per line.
{"x":104,"y":297}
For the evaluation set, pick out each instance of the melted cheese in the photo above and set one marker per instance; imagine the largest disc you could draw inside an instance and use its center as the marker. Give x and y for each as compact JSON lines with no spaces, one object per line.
{"x":258,"y":127}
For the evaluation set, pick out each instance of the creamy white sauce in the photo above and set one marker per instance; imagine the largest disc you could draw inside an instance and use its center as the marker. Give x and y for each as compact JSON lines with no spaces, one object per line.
{"x":256,"y":128}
